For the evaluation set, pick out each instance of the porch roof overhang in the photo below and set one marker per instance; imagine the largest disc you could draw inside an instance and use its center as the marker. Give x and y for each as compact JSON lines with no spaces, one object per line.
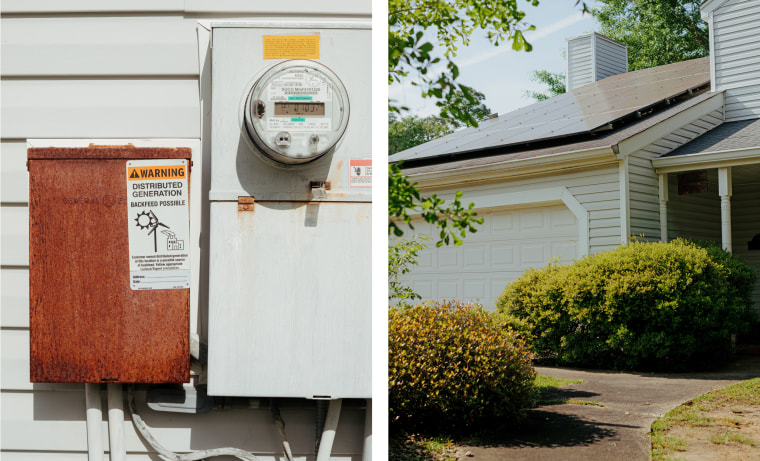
{"x":730,"y":144}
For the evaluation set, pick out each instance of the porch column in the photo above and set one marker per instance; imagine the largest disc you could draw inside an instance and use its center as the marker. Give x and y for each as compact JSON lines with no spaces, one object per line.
{"x":724,"y":188}
{"x":663,"y":207}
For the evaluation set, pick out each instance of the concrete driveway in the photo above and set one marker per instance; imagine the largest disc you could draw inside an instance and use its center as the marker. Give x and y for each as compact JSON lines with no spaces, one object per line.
{"x":616,"y":430}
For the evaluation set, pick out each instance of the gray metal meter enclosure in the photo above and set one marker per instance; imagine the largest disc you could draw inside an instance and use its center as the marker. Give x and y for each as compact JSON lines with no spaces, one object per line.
{"x":290,"y":199}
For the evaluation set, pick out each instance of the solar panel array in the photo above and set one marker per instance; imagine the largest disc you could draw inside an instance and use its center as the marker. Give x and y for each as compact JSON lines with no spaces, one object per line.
{"x":580,"y":111}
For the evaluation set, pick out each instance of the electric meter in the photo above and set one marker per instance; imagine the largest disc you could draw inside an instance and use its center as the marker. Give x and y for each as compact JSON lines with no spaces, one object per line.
{"x":297,"y":111}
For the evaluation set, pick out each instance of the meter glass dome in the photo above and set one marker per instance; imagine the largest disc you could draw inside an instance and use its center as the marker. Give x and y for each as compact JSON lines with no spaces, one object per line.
{"x":296,"y":111}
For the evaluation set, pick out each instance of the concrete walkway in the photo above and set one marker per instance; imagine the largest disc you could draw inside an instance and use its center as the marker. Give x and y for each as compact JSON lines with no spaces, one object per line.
{"x":618,"y":430}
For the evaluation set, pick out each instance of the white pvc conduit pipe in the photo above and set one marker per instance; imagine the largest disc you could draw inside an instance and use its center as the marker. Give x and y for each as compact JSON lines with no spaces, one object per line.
{"x":94,"y":422}
{"x":328,"y":433}
{"x":117,"y":448}
{"x":367,"y":448}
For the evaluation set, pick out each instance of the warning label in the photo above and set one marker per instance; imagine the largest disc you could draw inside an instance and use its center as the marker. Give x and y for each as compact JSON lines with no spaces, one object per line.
{"x":157,"y":203}
{"x":291,"y":47}
{"x":140,"y":173}
{"x":360,"y":172}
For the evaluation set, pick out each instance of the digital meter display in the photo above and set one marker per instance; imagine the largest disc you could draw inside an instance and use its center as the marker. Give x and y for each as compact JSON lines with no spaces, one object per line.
{"x":301,"y":109}
{"x":296,"y":111}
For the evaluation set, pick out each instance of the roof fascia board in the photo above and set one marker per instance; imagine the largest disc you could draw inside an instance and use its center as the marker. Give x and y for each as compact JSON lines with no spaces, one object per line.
{"x":660,"y":130}
{"x":536,"y":165}
{"x":718,"y":159}
{"x":709,"y":6}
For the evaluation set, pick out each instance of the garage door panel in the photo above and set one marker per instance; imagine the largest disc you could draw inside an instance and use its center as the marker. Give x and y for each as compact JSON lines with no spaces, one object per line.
{"x":509,"y":243}
{"x":424,"y":288}
{"x":563,"y":221}
{"x":503,"y":256}
{"x":533,"y":221}
{"x":565,"y":251}
{"x":475,"y":289}
{"x":533,"y":255}
{"x":475,"y":258}
{"x":449,"y":289}
{"x":425,"y":258}
{"x":448,"y":258}
{"x":499,"y":224}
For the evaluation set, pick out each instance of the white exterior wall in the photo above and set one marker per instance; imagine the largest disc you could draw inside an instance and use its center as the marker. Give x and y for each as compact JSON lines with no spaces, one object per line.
{"x":643,"y":181}
{"x":580,"y":62}
{"x":528,"y":220}
{"x":592,"y":57}
{"x":128,"y":70}
{"x":736,"y":39}
{"x":597,"y":189}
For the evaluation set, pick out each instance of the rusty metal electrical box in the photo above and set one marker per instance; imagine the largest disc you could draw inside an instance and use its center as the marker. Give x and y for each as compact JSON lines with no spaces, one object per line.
{"x":102,"y":307}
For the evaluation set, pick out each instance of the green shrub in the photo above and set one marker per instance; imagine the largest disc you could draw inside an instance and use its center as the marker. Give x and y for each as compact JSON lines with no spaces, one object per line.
{"x":644,"y":306}
{"x":451,"y":367}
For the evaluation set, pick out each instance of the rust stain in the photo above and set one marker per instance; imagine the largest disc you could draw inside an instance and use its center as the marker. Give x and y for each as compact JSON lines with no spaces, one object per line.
{"x":86,"y":323}
{"x":246,"y":203}
{"x":105,"y":145}
{"x":108,"y":152}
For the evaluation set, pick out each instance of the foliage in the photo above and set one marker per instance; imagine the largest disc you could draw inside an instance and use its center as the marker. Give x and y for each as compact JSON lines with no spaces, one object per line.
{"x":555,"y":82}
{"x":401,"y":256}
{"x":413,"y":26}
{"x":452,"y":367}
{"x":407,"y":132}
{"x":476,"y":108}
{"x":656,"y":32}
{"x":410,"y":131}
{"x":453,"y":219}
{"x":642,"y":306}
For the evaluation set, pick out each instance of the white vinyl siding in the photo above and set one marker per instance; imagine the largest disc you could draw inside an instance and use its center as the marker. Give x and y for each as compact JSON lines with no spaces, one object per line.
{"x":127,"y":70}
{"x":592,"y":57}
{"x":611,"y":58}
{"x":580,"y":63}
{"x":643,"y":181}
{"x":597,"y":189}
{"x":737,"y":62}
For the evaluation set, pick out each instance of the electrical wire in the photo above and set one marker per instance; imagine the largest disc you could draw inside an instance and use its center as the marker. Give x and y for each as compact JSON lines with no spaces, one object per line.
{"x":171,"y":456}
{"x":280,"y":425}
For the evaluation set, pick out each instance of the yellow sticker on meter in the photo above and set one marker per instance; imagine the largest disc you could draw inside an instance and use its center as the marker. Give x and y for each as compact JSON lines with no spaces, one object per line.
{"x":291,"y":47}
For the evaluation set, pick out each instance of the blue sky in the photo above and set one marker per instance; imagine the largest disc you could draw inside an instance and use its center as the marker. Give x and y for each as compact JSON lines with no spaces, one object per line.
{"x":503,"y":75}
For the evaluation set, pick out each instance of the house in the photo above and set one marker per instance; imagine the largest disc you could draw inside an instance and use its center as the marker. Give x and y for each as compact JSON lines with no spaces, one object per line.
{"x":139,"y":73}
{"x":660,"y":153}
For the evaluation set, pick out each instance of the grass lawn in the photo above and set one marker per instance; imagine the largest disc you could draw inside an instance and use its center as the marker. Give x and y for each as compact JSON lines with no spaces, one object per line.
{"x":722,"y":424}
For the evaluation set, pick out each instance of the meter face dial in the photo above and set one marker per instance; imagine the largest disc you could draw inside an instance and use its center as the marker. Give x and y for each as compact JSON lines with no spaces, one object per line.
{"x":305,"y":109}
{"x":297,"y":111}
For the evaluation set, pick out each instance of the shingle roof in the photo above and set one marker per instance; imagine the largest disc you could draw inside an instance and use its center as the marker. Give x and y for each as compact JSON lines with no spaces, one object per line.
{"x":603,"y":139}
{"x":728,"y":136}
{"x":565,"y":118}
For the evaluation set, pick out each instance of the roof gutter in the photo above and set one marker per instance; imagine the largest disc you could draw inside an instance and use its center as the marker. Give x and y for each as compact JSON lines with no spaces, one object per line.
{"x":703,"y":160}
{"x":536,"y":165}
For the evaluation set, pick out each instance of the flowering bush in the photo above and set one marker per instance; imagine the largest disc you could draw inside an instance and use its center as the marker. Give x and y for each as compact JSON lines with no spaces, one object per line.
{"x":452,"y":366}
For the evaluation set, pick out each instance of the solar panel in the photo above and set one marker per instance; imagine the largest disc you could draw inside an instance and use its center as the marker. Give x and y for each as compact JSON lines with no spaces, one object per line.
{"x":580,"y":111}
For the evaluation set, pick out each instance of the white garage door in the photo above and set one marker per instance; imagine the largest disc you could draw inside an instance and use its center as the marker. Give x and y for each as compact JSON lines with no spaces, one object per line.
{"x":508,"y":243}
